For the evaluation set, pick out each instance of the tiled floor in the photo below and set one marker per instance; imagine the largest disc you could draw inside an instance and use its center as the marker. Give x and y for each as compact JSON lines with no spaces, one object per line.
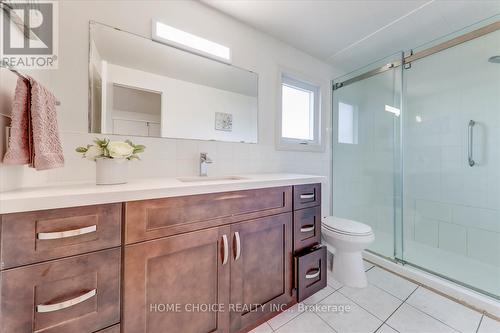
{"x":389,"y":304}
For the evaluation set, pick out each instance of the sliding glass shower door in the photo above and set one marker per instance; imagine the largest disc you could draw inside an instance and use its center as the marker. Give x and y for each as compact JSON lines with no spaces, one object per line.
{"x":365,"y":154}
{"x":416,"y":155}
{"x":452,"y":163}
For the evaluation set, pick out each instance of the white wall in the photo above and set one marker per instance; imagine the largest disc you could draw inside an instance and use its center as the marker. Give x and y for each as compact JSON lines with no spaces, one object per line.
{"x":251,"y":49}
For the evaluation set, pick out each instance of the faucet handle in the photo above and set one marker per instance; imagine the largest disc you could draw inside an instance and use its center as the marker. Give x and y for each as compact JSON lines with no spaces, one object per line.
{"x":204,"y":158}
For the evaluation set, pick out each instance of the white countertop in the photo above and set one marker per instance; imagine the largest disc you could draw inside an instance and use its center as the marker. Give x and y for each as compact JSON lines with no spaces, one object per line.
{"x":60,"y":195}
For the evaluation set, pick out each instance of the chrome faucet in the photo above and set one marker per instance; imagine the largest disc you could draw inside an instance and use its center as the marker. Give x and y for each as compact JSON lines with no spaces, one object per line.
{"x":204,"y":162}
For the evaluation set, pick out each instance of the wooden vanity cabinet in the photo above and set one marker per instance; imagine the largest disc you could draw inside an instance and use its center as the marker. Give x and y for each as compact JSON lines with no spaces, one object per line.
{"x":245,"y":270}
{"x":245,"y":254}
{"x":209,"y":263}
{"x":261,"y":269}
{"x":165,"y":278}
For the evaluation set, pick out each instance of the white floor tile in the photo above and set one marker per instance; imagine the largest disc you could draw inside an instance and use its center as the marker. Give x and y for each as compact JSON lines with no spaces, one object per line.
{"x":307,"y":322}
{"x":331,"y":281}
{"x":449,"y":312}
{"x":285,"y":317}
{"x":393,"y":284}
{"x":489,"y":325}
{"x":264,"y":328}
{"x":375,"y":300}
{"x":407,"y":319}
{"x":356,"y":320}
{"x":386,"y":329}
{"x":316,"y":298}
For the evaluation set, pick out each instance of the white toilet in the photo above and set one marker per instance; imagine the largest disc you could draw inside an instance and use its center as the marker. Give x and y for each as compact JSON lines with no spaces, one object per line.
{"x":346,"y":239}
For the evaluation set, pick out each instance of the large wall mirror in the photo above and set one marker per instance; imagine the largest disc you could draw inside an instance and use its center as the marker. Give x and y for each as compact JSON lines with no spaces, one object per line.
{"x":140,"y":87}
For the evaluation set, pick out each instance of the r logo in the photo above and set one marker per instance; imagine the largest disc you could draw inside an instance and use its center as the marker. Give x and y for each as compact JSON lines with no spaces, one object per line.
{"x":29,"y":33}
{"x":28,"y":28}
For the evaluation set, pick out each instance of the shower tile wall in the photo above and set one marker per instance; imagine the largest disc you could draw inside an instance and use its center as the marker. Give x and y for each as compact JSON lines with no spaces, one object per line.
{"x":451,"y":206}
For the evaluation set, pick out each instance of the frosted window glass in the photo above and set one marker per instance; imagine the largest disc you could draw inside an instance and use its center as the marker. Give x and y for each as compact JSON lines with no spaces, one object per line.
{"x":297,"y":113}
{"x":347,"y":124}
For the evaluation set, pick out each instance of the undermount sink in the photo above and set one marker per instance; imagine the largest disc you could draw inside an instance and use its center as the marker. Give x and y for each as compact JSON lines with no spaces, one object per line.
{"x":208,"y":179}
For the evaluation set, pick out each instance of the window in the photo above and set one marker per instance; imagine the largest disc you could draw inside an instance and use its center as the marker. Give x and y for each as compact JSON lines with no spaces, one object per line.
{"x":299,"y":115}
{"x":348,"y":124}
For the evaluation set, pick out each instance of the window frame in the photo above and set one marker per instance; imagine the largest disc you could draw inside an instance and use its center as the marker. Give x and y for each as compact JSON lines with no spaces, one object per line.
{"x":289,"y":78}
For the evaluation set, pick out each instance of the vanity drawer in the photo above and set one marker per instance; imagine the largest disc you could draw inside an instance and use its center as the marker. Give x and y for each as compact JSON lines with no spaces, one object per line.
{"x":310,"y":272}
{"x":32,"y":237}
{"x":306,"y":228}
{"x":77,"y":294}
{"x":150,"y":219}
{"x":305,"y":196}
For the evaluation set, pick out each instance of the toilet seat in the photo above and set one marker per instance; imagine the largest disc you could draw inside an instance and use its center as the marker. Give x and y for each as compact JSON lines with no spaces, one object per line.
{"x":346,"y":227}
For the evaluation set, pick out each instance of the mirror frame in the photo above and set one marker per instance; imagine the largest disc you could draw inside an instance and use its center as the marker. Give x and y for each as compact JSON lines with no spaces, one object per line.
{"x":89,"y":112}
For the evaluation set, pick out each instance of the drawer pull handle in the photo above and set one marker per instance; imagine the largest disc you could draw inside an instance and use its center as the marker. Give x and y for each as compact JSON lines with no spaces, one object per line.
{"x":230,"y":196}
{"x":307,"y":196}
{"x":226,"y":249}
{"x":315,"y":273}
{"x":307,"y":228}
{"x":66,"y":234}
{"x":238,"y":245}
{"x":66,"y":304}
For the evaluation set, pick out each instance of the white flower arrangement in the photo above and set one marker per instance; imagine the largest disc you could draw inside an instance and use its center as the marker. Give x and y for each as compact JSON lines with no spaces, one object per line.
{"x":104,"y":148}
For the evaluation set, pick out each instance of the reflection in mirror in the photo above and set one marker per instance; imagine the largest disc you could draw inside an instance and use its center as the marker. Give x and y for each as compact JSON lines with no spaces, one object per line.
{"x":139,"y":87}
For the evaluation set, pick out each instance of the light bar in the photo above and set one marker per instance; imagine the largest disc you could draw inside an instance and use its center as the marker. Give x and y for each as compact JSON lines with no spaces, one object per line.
{"x":169,"y":35}
{"x":392,"y":109}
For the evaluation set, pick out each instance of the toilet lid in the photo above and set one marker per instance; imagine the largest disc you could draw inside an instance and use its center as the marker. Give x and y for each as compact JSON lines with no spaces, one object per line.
{"x":345,"y":226}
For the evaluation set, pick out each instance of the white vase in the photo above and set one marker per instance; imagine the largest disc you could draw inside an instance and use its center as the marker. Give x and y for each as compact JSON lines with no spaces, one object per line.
{"x":111,"y":171}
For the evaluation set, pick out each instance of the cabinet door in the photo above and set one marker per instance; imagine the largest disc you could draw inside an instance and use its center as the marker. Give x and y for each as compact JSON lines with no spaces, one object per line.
{"x":169,"y":282}
{"x":261,"y":268}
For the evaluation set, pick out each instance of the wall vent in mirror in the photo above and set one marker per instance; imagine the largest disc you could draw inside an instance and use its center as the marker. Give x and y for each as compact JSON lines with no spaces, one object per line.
{"x":139,"y":87}
{"x":166,"y":34}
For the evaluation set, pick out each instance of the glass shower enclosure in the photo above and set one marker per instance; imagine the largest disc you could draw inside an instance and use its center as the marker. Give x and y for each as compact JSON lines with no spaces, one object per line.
{"x":416,"y":155}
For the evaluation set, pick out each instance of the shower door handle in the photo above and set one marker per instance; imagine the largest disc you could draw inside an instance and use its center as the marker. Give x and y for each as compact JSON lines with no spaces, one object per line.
{"x":470,"y":143}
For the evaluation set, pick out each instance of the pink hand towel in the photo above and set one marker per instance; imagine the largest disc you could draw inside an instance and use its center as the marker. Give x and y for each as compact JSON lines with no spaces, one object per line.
{"x":47,"y":149}
{"x":18,"y":150}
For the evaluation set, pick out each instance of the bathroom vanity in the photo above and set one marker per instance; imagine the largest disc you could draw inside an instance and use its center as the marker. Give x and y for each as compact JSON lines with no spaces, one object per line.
{"x":219,"y":256}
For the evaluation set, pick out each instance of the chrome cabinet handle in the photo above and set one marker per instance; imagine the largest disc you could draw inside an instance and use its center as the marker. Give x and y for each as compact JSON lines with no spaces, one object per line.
{"x":66,"y":304}
{"x":66,"y":234}
{"x":470,"y":139}
{"x":314,"y":275}
{"x":307,"y":196}
{"x":226,"y":249}
{"x":307,"y":229}
{"x":238,"y":245}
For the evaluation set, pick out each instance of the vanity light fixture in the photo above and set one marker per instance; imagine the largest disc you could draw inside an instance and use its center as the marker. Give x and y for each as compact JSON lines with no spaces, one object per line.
{"x":172,"y":36}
